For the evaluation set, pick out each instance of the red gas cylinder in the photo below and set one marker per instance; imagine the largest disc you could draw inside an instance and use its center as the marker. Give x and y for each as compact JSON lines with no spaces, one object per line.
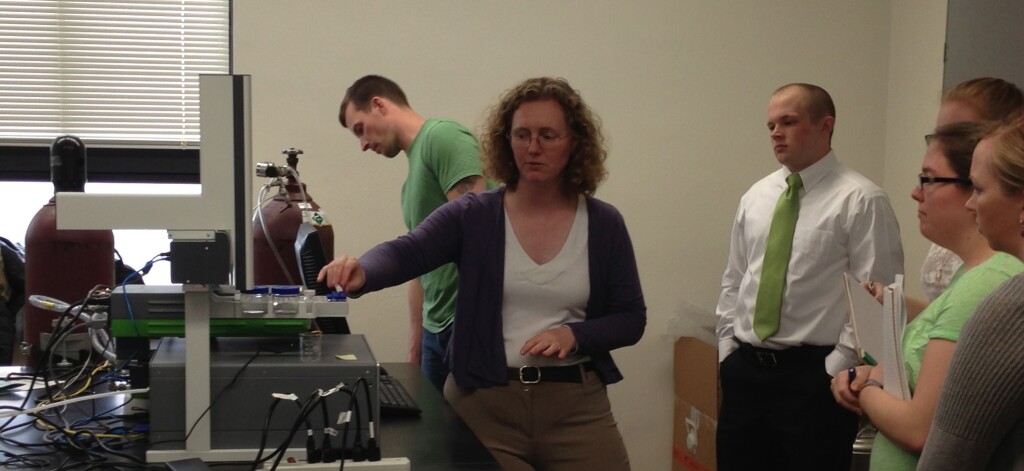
{"x":282,"y":217}
{"x":62,"y":264}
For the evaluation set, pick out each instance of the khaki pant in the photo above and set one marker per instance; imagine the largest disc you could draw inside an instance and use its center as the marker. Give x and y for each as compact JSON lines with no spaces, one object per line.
{"x":545,"y":426}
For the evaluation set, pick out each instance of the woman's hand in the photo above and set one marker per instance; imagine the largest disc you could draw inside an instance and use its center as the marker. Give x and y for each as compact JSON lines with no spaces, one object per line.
{"x":343,"y":271}
{"x":559,"y":341}
{"x":847,"y":392}
{"x":875,"y":289}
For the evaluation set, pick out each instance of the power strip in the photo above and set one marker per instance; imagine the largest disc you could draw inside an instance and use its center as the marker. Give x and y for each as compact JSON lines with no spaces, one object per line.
{"x":385,"y":464}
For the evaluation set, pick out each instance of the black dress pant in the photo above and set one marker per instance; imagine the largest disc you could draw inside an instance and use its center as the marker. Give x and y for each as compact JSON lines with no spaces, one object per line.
{"x":778,"y":412}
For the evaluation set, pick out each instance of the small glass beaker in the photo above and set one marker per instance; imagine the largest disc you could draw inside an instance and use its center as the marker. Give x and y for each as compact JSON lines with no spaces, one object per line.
{"x":311,"y":346}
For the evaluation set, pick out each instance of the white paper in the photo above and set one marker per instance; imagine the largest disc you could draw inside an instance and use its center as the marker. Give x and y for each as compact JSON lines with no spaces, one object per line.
{"x":894,"y":313}
{"x":865,"y":317}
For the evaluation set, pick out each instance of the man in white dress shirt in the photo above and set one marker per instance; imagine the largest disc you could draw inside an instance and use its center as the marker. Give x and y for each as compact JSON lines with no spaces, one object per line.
{"x":777,"y":410}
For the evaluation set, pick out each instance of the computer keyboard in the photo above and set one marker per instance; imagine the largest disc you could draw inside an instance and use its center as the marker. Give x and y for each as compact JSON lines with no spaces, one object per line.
{"x":394,"y":399}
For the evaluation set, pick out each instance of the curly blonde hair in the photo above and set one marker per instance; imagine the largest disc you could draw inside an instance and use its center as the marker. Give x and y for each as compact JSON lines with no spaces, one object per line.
{"x":585,"y":169}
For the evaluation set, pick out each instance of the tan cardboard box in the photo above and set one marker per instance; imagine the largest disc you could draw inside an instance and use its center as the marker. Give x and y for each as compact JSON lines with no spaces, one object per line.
{"x":696,"y":405}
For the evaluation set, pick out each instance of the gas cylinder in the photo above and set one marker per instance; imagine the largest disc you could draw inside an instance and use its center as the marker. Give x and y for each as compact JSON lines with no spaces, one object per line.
{"x":282,"y":216}
{"x":62,"y":264}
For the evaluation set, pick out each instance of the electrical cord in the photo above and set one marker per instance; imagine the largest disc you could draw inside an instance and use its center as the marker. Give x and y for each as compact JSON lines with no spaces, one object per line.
{"x":216,"y":398}
{"x":136,"y":274}
{"x":65,"y":324}
{"x":358,"y":451}
{"x":308,"y":407}
{"x":327,"y":454}
{"x":372,"y":448}
{"x":311,"y":449}
{"x":83,"y":447}
{"x":353,"y":403}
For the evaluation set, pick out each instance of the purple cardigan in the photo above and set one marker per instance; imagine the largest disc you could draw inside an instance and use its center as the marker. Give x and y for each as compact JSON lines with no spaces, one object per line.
{"x":470,"y":232}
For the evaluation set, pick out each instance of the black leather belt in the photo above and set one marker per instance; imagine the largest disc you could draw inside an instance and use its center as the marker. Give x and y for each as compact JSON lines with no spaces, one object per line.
{"x":557,"y":374}
{"x":793,"y":355}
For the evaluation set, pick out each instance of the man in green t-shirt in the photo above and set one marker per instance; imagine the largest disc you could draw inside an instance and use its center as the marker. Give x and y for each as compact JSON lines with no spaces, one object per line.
{"x":444,"y":164}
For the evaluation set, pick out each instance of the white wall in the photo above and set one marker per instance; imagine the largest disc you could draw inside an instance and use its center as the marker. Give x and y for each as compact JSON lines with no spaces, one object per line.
{"x":914,"y":92}
{"x":681,"y":86}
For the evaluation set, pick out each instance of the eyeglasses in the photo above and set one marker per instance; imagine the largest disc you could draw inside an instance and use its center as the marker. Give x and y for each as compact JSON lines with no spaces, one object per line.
{"x":924,"y":179}
{"x":523,"y":138}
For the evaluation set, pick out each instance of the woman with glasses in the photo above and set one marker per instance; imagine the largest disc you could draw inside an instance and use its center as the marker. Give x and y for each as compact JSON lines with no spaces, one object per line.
{"x":929,"y":340}
{"x":548,"y":286}
{"x":979,"y":99}
{"x":979,"y":421}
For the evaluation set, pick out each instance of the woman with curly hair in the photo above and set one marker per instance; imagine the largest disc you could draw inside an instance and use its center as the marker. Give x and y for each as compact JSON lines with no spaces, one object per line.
{"x":548,"y":286}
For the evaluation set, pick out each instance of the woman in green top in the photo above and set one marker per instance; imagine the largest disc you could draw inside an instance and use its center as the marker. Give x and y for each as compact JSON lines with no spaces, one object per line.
{"x":930,"y":338}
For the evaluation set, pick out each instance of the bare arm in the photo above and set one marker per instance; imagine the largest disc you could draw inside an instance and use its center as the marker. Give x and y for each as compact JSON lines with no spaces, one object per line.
{"x":906,"y":423}
{"x":914,"y":307}
{"x":470,"y":184}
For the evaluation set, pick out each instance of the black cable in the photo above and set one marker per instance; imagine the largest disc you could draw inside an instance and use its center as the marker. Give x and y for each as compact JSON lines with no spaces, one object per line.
{"x":353,"y":403}
{"x":62,"y":328}
{"x":138,"y":274}
{"x":110,"y":451}
{"x":372,"y":448}
{"x":24,"y":460}
{"x":266,"y":431}
{"x":327,"y":455}
{"x":358,"y":452}
{"x":215,"y":399}
{"x":303,"y":416}
{"x":311,"y":449}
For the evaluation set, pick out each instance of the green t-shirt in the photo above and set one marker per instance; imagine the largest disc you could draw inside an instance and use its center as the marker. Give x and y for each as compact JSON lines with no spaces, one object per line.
{"x":443,"y":153}
{"x":944,"y":318}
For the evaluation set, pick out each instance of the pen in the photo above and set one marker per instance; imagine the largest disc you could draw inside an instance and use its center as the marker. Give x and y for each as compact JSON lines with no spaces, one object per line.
{"x":853,"y":373}
{"x":869,"y":359}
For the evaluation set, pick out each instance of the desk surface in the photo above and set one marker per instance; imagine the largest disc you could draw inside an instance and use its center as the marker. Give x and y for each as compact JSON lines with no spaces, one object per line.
{"x":433,"y":441}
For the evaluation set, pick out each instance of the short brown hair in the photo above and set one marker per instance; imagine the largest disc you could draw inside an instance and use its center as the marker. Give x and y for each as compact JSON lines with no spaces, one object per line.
{"x":585,"y":169}
{"x":819,"y":102}
{"x":994,"y":99}
{"x":957,"y":142}
{"x":367,"y":87}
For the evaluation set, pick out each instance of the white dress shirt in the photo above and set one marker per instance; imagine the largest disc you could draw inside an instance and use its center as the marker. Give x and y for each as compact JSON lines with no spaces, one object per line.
{"x":846,"y":224}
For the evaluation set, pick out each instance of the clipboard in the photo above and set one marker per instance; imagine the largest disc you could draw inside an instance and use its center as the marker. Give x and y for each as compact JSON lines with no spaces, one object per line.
{"x":878,"y":331}
{"x":866,"y":319}
{"x":894,"y":315}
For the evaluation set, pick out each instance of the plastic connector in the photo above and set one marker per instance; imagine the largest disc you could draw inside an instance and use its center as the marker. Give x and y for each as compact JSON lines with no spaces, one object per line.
{"x":372,"y":450}
{"x":329,"y":455}
{"x":312,"y":453}
{"x":358,"y":452}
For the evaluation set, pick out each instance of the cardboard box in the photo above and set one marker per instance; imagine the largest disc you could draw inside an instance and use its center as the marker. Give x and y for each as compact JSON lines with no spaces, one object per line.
{"x":696,"y":405}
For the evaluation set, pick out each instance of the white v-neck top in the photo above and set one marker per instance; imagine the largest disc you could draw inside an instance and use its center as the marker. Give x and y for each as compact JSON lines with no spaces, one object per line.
{"x":540,"y":297}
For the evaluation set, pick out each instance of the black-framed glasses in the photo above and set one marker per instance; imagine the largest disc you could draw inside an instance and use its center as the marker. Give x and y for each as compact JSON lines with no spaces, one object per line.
{"x":925,"y":179}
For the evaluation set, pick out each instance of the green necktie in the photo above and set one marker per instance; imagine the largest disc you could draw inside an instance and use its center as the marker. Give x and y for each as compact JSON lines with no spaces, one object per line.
{"x":776,"y":259}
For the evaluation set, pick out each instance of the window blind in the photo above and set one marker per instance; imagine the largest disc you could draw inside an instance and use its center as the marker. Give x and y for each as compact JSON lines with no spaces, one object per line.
{"x":114,"y":73}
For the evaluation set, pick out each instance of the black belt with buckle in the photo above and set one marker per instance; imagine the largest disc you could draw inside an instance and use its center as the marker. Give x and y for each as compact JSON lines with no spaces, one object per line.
{"x":557,"y":374}
{"x":793,"y":355}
